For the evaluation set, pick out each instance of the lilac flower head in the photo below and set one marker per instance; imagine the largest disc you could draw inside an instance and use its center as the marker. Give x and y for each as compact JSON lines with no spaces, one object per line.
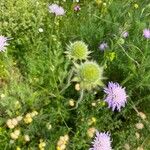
{"x":102,"y":141}
{"x":103,"y":46}
{"x":57,"y":10}
{"x":146,"y":33}
{"x":77,"y":8}
{"x":125,"y":34}
{"x":3,"y":43}
{"x":116,"y":96}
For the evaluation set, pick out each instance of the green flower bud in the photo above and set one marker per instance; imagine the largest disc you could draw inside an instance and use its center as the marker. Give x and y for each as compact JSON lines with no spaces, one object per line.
{"x":78,"y":51}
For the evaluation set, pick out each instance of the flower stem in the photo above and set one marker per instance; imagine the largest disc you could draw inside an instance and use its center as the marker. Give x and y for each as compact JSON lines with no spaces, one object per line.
{"x":68,"y":81}
{"x":79,"y":100}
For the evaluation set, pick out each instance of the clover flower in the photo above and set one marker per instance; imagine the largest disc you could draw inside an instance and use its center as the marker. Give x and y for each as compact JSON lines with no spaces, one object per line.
{"x":103,"y":46}
{"x":3,"y":43}
{"x":116,"y":96}
{"x":77,"y":51}
{"x":146,"y":33}
{"x":102,"y":141}
{"x":56,"y":9}
{"x":89,"y":74}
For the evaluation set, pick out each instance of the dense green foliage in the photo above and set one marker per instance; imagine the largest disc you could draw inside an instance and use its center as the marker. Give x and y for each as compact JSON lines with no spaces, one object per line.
{"x":36,"y":75}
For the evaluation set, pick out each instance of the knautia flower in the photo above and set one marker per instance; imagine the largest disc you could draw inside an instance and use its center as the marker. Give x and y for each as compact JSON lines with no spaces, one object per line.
{"x":3,"y":43}
{"x":77,"y":51}
{"x":56,"y":9}
{"x":89,"y":75}
{"x":125,"y":34}
{"x":116,"y":96}
{"x":77,"y":8}
{"x":102,"y":141}
{"x":146,"y":33}
{"x":103,"y":46}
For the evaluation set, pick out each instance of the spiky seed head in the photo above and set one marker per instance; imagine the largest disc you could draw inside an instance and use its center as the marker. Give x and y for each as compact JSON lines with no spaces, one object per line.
{"x":89,"y":74}
{"x":78,"y":51}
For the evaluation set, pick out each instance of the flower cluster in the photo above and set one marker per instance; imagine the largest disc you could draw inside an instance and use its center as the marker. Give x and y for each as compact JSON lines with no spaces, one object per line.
{"x":42,"y":144}
{"x":56,"y":9}
{"x":28,"y":117}
{"x":12,"y":123}
{"x":63,"y":140}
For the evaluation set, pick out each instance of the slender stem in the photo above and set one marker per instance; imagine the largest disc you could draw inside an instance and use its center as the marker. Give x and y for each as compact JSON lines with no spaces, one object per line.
{"x":68,"y":81}
{"x":129,"y":56}
{"x":79,"y":100}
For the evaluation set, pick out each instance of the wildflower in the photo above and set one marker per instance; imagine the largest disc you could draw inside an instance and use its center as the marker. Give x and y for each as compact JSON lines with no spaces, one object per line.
{"x":42,"y":144}
{"x":34,"y":113}
{"x":2,"y":95}
{"x":14,"y":135}
{"x":77,"y":8}
{"x":102,"y":141}
{"x":146,"y":33}
{"x":137,"y":135}
{"x":125,"y":34}
{"x":139,"y":125}
{"x":136,"y":6}
{"x":71,"y":102}
{"x":77,"y":87}
{"x":116,"y":96}
{"x":91,"y":131}
{"x":93,"y":104}
{"x":89,"y":74}
{"x":49,"y":126}
{"x":18,"y":148}
{"x":3,"y":43}
{"x":140,"y":148}
{"x":57,"y":10}
{"x":28,"y":118}
{"x":41,"y":30}
{"x":92,"y":121}
{"x":61,"y":144}
{"x":78,"y":51}
{"x":10,"y":124}
{"x":103,"y":46}
{"x":127,"y":146}
{"x":19,"y":118}
{"x":142,"y":115}
{"x":26,"y":138}
{"x":14,"y":121}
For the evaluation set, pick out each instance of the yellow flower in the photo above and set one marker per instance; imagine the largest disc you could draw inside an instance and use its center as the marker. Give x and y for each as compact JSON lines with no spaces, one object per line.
{"x":77,"y":87}
{"x":91,"y":132}
{"x":34,"y":113}
{"x":2,"y":95}
{"x":14,"y":135}
{"x":136,"y":6}
{"x":18,"y":148}
{"x":9,"y":124}
{"x":71,"y":102}
{"x":26,"y":138}
{"x":28,"y":118}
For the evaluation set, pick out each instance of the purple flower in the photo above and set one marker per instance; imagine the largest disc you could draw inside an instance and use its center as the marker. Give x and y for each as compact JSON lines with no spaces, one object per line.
{"x":77,"y":8}
{"x":125,"y":34}
{"x":116,"y":96}
{"x":102,"y":141}
{"x":103,"y":46}
{"x":146,"y":33}
{"x":3,"y":43}
{"x":57,"y":10}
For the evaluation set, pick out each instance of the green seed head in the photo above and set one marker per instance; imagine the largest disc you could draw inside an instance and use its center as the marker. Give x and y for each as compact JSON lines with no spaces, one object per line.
{"x":90,"y":75}
{"x":78,"y":51}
